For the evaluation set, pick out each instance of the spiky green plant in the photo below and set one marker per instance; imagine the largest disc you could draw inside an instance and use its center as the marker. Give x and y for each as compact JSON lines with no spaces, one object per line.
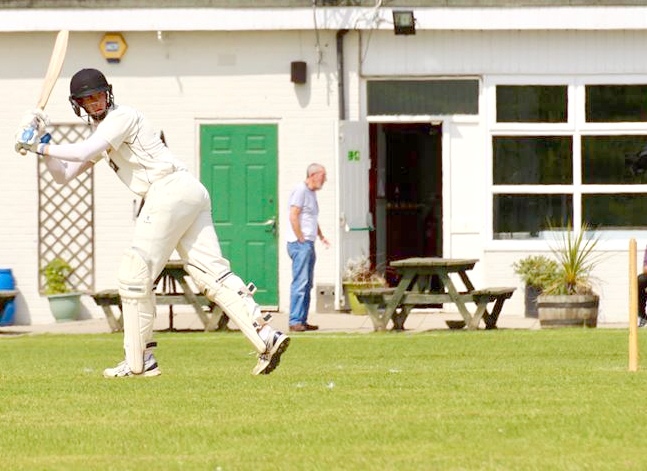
{"x":576,"y":258}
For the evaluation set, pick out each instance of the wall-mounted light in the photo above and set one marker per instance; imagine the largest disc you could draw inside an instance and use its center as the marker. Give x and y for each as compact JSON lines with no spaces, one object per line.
{"x":404,"y":22}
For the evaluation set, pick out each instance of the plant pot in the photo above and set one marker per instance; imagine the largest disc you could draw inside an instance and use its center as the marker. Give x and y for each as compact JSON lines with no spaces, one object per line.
{"x":65,"y":307}
{"x":349,"y":290}
{"x":576,"y":310}
{"x":530,"y":301}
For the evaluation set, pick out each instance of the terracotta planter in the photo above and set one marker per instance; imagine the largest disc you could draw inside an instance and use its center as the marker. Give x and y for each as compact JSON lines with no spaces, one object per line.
{"x":577,"y":310}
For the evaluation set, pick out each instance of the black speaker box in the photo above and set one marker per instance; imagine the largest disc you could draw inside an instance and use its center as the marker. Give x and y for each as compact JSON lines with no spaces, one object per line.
{"x":298,"y":72}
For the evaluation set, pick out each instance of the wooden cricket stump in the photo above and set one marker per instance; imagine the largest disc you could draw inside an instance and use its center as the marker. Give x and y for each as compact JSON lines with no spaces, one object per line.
{"x":633,"y":308}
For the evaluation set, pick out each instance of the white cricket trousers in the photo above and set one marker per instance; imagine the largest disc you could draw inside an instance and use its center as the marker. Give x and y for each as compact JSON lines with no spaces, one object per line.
{"x":177,"y":215}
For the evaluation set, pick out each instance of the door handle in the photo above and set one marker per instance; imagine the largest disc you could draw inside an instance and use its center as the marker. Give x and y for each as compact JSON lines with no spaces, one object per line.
{"x":271,"y":222}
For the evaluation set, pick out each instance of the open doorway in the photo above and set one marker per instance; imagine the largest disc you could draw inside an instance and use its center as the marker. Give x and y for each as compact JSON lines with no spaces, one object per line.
{"x":406,"y":191}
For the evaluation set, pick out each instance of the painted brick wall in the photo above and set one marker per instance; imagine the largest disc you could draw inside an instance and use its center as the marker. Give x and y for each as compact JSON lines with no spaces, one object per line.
{"x":178,"y":83}
{"x":186,"y":79}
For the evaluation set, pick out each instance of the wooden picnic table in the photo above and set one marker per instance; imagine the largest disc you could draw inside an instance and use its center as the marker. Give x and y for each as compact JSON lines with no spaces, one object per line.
{"x":166,"y":283}
{"x":426,"y":282}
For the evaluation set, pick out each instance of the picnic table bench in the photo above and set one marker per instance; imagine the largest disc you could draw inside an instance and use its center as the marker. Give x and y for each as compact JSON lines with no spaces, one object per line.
{"x":416,"y":290}
{"x":209,"y":313}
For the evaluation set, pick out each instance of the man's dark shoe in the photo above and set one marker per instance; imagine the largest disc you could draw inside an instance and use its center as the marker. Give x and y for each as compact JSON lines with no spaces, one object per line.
{"x":303,"y":327}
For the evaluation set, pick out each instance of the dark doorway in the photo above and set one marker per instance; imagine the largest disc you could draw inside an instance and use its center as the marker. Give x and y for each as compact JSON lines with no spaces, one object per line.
{"x":406,"y":191}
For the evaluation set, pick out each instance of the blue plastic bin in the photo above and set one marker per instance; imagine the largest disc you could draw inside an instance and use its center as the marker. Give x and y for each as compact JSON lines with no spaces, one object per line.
{"x":7,"y":282}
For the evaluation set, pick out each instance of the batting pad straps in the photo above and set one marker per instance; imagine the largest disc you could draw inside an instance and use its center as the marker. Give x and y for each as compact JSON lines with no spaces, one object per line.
{"x":230,"y":293}
{"x":134,"y":278}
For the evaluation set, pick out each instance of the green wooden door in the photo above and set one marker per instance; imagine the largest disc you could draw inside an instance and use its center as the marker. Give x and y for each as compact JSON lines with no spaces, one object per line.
{"x":239,"y":168}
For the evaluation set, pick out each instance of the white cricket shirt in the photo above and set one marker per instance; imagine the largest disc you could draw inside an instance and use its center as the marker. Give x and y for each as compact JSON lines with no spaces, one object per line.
{"x":137,"y":156}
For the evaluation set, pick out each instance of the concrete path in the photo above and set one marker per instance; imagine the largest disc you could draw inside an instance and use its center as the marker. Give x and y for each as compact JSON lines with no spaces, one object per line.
{"x":337,"y":322}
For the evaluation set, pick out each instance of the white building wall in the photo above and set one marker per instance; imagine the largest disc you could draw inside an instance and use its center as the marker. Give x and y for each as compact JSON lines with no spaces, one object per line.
{"x":463,"y":223}
{"x":437,"y":54}
{"x":505,"y":52}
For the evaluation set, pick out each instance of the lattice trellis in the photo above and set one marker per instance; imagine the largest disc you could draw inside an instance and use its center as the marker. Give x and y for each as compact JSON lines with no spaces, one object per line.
{"x":66,"y":215}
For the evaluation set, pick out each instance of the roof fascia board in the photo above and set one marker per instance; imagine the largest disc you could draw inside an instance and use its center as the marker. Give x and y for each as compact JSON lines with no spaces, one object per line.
{"x":267,"y":19}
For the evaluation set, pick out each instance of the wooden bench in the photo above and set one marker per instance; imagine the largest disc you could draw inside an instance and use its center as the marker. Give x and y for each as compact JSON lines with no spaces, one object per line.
{"x":210,"y":314}
{"x":8,"y":294}
{"x":376,"y":300}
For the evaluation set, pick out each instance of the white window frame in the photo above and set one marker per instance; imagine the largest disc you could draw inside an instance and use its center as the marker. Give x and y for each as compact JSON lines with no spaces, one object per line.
{"x":576,"y":126}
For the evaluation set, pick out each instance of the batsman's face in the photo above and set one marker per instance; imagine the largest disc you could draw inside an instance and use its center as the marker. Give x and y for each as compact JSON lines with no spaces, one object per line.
{"x":94,"y":104}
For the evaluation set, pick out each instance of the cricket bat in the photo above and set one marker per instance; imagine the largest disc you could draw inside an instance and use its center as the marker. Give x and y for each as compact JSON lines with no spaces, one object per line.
{"x":53,"y":71}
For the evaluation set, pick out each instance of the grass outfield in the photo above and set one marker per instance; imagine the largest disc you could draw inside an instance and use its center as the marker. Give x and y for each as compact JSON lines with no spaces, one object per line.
{"x":444,"y":400}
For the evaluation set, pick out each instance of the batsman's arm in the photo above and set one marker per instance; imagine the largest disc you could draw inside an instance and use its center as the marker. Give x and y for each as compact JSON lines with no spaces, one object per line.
{"x":62,"y":171}
{"x":78,"y":152}
{"x":66,"y":161}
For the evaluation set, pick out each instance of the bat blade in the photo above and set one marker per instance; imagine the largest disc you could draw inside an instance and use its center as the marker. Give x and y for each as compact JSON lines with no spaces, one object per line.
{"x":53,"y":71}
{"x":54,"y":68}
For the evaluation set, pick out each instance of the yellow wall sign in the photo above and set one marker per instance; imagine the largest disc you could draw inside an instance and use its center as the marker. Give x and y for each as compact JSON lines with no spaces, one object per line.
{"x":113,"y":47}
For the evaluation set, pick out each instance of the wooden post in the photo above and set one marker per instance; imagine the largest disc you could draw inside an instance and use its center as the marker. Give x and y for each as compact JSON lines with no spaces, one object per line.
{"x":633,"y":307}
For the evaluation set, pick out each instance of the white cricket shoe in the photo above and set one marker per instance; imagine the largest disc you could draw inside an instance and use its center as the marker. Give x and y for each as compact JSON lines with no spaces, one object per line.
{"x":277,"y":344}
{"x":122,"y":369}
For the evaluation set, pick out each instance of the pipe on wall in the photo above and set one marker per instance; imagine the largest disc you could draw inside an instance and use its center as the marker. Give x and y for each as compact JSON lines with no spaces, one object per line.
{"x":341,"y":87}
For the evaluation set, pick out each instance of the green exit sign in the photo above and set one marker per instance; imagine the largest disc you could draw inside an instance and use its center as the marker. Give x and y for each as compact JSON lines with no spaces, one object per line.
{"x":353,"y":155}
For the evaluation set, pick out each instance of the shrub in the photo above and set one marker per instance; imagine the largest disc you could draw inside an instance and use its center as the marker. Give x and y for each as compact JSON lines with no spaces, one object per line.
{"x":56,"y":274}
{"x":537,"y":270}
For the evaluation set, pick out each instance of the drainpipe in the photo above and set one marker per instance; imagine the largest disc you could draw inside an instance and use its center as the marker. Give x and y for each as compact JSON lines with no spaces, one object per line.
{"x":340,"y":73}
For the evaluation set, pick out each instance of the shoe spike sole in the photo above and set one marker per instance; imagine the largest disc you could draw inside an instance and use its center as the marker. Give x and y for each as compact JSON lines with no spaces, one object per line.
{"x":276,"y":358}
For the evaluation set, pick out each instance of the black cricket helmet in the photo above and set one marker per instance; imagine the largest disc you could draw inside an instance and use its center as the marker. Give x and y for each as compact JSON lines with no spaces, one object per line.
{"x":87,"y":82}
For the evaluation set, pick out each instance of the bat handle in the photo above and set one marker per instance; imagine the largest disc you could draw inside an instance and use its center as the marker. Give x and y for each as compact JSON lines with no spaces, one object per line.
{"x":23,"y":152}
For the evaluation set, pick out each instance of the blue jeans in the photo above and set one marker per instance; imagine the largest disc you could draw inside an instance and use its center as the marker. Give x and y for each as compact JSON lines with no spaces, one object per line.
{"x":303,"y":268}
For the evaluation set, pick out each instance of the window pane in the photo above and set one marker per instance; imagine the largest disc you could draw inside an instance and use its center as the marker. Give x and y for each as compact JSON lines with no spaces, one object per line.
{"x":616,"y":212}
{"x":616,"y":103}
{"x":423,"y":97}
{"x":528,"y":160}
{"x":613,"y":159}
{"x":532,"y":104}
{"x":526,"y":216}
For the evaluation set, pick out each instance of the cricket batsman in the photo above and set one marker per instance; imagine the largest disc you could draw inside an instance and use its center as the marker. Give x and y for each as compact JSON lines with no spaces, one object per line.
{"x":176,"y":215}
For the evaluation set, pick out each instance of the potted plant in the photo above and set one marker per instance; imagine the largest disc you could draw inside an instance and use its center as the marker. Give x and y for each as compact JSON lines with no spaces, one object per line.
{"x":64,"y":304}
{"x":569,"y":300}
{"x":358,"y":274}
{"x":537,"y":272}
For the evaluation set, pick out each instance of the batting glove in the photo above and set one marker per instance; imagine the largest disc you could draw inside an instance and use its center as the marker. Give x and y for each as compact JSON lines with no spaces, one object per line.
{"x":32,"y":127}
{"x":44,"y":139}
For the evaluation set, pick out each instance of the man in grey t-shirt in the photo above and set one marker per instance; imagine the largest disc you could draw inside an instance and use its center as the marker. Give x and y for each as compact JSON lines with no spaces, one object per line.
{"x":302,"y":232}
